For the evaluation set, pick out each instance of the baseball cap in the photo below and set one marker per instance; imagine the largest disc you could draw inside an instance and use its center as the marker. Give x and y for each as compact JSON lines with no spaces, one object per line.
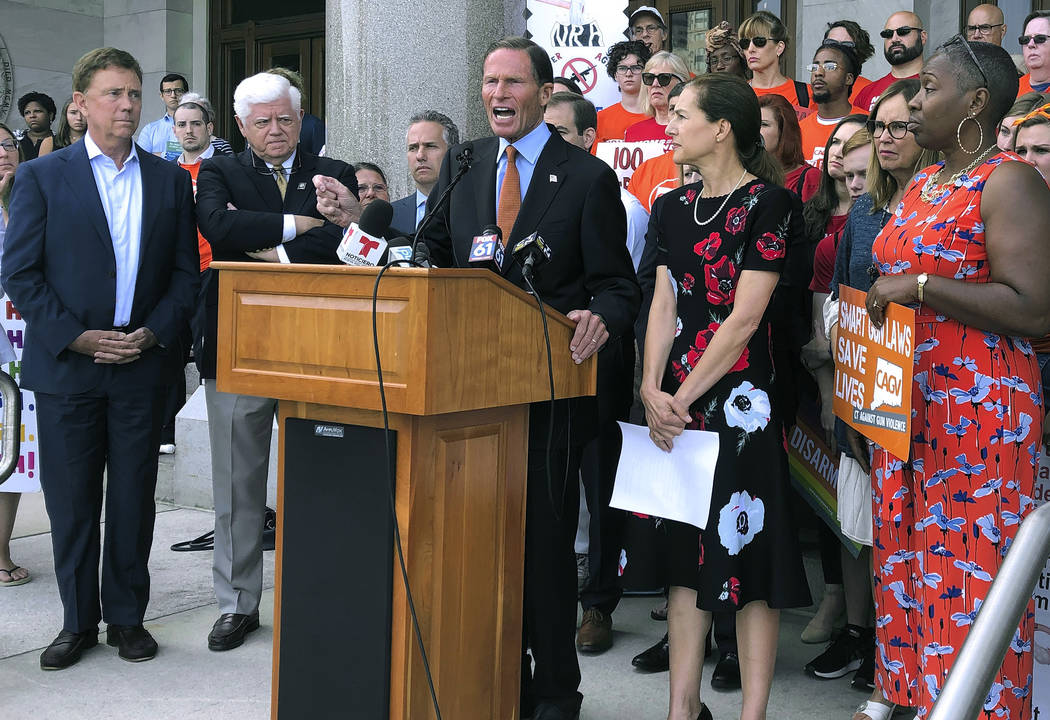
{"x":647,"y":9}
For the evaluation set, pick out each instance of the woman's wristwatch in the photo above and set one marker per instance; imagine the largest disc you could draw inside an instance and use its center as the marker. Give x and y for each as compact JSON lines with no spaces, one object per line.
{"x":922,"y":284}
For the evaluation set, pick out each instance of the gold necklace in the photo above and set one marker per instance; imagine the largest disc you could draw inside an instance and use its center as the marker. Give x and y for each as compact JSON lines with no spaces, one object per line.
{"x":931,"y":190}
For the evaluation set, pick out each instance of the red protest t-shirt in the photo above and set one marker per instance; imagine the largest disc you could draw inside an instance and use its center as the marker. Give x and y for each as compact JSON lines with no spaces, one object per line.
{"x":824,"y":257}
{"x":867,"y":97}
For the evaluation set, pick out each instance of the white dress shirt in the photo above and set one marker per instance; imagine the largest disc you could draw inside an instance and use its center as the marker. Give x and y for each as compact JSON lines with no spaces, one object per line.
{"x":289,"y":220}
{"x":121,"y":194}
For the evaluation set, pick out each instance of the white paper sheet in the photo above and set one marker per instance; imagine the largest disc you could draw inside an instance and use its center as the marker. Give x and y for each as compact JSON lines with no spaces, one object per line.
{"x":675,"y":485}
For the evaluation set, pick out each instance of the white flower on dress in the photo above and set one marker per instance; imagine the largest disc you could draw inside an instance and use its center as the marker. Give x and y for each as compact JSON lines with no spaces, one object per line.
{"x":740,"y":520}
{"x":677,"y":326}
{"x":747,"y":408}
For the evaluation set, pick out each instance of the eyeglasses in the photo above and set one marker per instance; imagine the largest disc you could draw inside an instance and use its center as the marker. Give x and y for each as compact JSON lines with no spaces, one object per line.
{"x":263,"y":168}
{"x":661,"y":79}
{"x":9,"y":145}
{"x":902,"y":31}
{"x":966,"y":44}
{"x":1037,"y":39}
{"x":827,"y":66}
{"x":760,"y":42}
{"x":725,"y":58}
{"x":982,"y":29}
{"x":897,"y":129}
{"x":173,"y":92}
{"x":362,"y":189}
{"x":646,"y":29}
{"x":629,"y":69}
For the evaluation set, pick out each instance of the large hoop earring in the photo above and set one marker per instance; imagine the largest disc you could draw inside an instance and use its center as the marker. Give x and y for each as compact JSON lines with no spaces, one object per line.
{"x":958,"y":135}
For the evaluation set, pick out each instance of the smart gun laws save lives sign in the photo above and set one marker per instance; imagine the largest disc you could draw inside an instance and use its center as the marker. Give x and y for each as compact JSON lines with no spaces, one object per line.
{"x":873,"y":369}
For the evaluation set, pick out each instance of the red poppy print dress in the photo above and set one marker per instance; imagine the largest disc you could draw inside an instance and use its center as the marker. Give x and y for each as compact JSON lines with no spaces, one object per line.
{"x":945,"y":517}
{"x":749,"y":550}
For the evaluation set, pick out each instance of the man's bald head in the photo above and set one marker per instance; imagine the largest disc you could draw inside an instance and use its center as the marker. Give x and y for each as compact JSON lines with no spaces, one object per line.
{"x":903,"y":38}
{"x":903,"y":17}
{"x":987,"y":24}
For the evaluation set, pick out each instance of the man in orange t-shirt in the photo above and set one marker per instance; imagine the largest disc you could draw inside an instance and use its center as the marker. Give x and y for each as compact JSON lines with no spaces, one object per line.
{"x":834,"y":69}
{"x":626,"y":60}
{"x":193,"y":130}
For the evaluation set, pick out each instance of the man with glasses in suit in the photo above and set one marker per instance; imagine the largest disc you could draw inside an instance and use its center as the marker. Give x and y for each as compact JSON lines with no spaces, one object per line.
{"x":259,"y":205}
{"x":903,"y":43}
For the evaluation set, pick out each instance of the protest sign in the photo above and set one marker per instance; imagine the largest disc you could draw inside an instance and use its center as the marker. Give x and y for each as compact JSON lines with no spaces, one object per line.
{"x":873,"y":372}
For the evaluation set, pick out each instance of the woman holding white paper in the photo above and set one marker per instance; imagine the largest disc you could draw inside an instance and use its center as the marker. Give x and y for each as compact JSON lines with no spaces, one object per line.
{"x":708,"y":366}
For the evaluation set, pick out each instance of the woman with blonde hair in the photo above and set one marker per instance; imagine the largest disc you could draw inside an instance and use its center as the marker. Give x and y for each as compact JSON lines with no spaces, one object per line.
{"x":662,"y":73}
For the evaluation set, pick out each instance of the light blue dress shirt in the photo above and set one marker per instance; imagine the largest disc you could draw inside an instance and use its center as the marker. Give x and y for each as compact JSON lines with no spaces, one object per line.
{"x":121,"y":194}
{"x":529,"y":148}
{"x":421,"y":207}
{"x":159,"y":137}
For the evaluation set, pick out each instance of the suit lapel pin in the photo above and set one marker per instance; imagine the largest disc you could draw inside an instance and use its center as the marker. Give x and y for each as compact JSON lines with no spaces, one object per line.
{"x":554,"y":178}
{"x":301,"y":186}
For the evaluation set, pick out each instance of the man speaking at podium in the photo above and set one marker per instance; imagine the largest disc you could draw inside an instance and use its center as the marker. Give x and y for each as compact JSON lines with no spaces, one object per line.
{"x":527,"y":179}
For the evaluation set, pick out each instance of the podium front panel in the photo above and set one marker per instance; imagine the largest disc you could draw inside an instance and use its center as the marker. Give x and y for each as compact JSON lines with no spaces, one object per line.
{"x":335,"y":608}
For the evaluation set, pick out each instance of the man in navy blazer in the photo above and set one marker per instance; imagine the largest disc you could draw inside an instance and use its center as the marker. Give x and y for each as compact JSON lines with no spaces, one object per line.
{"x":101,"y":260}
{"x":430,"y":134}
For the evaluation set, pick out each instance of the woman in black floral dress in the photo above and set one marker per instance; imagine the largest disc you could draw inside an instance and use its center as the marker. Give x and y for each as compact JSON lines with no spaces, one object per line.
{"x":708,"y":366}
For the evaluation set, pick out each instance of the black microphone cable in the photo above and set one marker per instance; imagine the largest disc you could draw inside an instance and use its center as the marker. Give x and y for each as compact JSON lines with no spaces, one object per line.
{"x":550,"y":376}
{"x":391,"y":474}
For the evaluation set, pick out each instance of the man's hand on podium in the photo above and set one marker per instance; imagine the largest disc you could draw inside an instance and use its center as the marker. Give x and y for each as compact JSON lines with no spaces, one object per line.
{"x":590,"y":334}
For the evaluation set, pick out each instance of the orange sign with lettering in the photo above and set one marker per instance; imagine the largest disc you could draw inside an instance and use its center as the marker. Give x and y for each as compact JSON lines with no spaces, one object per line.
{"x":873,"y":371}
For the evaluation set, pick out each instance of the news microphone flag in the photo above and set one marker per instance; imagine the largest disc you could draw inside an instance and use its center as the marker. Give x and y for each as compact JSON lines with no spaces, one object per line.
{"x":363,"y":243}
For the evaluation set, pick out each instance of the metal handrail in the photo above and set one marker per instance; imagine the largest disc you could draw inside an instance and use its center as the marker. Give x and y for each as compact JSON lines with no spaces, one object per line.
{"x":974,"y":670}
{"x":12,"y":427}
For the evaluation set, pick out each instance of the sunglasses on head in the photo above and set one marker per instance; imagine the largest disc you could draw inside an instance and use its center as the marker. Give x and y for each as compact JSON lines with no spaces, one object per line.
{"x":760,"y":42}
{"x":662,"y":79}
{"x":902,"y":31}
{"x":1037,"y":39}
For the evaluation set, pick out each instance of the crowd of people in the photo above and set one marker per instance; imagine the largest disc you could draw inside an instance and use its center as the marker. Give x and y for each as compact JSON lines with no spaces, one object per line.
{"x":707,"y":289}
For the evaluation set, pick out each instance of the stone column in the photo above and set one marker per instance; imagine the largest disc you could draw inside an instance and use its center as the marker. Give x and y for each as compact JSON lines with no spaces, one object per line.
{"x":389,"y":59}
{"x":159,"y":33}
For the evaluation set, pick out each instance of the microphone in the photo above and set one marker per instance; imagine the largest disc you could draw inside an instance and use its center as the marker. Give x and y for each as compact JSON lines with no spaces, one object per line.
{"x":400,"y":251}
{"x":531,"y":253}
{"x":421,"y":256}
{"x":363,"y":243}
{"x":464,"y":160}
{"x":488,"y":249}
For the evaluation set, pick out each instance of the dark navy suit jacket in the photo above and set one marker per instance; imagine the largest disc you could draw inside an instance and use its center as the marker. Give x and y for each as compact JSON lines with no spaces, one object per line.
{"x":404,"y":220}
{"x":60,"y":271}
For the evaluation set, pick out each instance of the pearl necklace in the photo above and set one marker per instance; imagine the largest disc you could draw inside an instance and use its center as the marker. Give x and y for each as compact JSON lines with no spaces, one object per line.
{"x":721,"y":207}
{"x":931,"y":190}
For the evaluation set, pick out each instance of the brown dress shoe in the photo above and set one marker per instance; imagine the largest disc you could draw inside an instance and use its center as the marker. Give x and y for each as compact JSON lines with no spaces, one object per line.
{"x":595,"y":634}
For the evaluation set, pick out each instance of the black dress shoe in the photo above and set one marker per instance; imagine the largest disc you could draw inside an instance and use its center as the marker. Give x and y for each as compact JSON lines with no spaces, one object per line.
{"x":133,"y":642}
{"x":229,"y":630}
{"x":655,"y":659}
{"x":566,"y":710}
{"x":705,"y":713}
{"x":65,"y":649}
{"x":726,"y":675}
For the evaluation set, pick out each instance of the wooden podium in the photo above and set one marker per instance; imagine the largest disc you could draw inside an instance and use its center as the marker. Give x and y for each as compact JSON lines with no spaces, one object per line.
{"x":462,"y":355}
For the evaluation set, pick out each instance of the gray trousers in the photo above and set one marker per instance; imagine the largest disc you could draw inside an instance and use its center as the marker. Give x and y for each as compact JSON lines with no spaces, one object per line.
{"x":239,"y":427}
